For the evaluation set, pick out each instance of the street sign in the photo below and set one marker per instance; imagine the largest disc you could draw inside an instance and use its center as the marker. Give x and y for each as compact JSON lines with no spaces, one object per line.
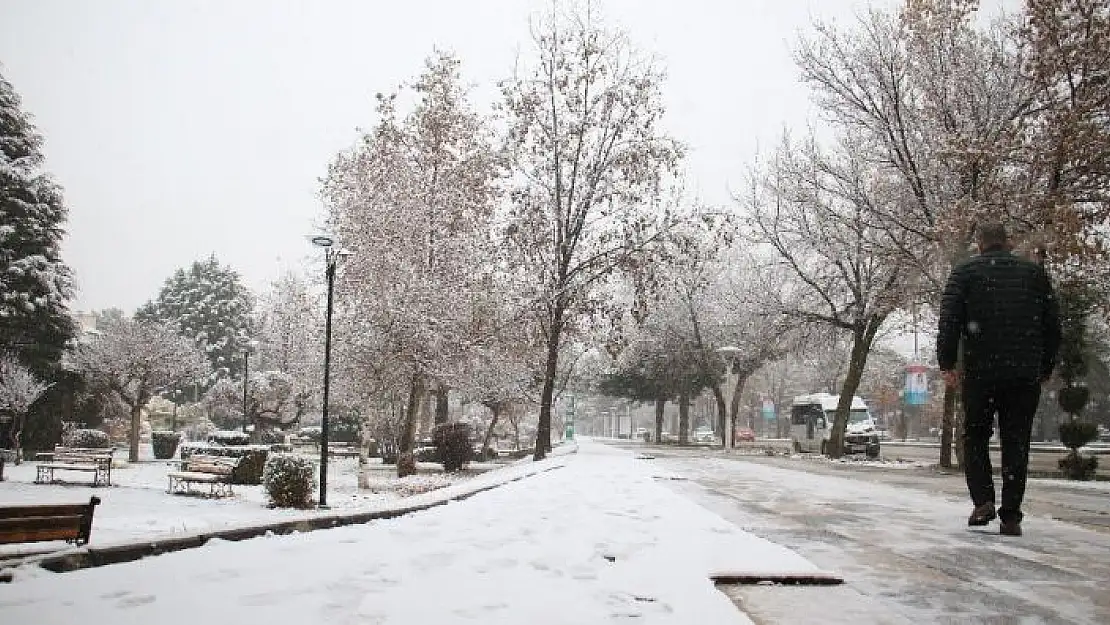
{"x":768,"y":410}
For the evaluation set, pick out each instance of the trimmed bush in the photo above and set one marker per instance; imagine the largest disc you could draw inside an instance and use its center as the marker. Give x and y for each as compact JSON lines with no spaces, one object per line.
{"x":188,"y":449}
{"x":1076,"y":434}
{"x":1078,"y":467}
{"x":86,"y":439}
{"x":289,"y":481}
{"x":164,"y":443}
{"x":229,"y":437}
{"x":1072,"y":399}
{"x":452,"y":441}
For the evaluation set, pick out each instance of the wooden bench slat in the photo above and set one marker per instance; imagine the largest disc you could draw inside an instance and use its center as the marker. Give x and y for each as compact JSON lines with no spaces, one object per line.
{"x":40,"y":522}
{"x":39,"y":535}
{"x":10,"y":512}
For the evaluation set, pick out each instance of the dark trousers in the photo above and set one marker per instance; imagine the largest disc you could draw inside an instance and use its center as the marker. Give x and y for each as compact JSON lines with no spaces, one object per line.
{"x":1015,"y":404}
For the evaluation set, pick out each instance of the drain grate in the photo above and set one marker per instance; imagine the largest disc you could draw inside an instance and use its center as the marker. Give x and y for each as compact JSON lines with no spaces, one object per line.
{"x":801,"y":579}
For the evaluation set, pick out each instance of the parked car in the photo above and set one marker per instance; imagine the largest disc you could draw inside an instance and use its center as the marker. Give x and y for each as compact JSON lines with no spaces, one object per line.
{"x":745,"y":434}
{"x":704,"y":435}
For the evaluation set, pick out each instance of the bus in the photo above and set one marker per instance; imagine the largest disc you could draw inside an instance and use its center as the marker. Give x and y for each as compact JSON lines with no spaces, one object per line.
{"x":811,"y":420}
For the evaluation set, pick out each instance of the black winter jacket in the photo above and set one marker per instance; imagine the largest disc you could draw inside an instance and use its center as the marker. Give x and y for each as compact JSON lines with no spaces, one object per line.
{"x":1004,"y":310}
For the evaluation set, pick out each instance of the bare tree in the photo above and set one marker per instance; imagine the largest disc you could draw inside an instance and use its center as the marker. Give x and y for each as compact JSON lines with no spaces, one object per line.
{"x":588,"y":157}
{"x":830,"y":267}
{"x":273,"y":401}
{"x":414,"y":202}
{"x":290,"y":334}
{"x":136,"y":359}
{"x":19,"y":389}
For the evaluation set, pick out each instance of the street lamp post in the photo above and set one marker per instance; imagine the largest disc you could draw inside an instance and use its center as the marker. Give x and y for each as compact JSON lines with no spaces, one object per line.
{"x":331,"y":259}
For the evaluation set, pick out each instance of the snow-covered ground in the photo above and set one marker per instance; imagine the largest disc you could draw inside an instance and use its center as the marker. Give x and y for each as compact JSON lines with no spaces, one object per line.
{"x":595,"y":541}
{"x":137,"y":505}
{"x":901,"y":541}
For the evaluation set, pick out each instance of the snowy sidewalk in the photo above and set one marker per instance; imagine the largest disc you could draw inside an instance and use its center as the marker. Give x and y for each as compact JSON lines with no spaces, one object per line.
{"x":595,"y":541}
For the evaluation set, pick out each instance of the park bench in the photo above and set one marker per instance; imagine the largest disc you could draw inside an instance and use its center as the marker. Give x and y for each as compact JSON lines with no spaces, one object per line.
{"x":98,"y":462}
{"x":215,"y":471}
{"x":343,"y":450}
{"x":38,"y":523}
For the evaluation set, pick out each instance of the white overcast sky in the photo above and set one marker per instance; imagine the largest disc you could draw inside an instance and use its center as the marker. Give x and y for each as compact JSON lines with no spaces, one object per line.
{"x":179,"y":129}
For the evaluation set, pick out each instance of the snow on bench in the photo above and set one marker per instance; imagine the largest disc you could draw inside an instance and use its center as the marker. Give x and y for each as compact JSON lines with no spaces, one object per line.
{"x":199,"y":469}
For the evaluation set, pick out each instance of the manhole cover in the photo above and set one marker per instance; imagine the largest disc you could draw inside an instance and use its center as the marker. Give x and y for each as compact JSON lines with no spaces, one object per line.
{"x":793,"y":579}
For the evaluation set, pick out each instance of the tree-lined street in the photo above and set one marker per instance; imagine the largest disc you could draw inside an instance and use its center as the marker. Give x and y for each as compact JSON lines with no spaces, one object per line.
{"x":425,"y":247}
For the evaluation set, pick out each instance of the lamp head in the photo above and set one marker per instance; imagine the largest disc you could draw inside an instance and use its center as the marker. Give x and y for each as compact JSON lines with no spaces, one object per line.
{"x":322,"y":240}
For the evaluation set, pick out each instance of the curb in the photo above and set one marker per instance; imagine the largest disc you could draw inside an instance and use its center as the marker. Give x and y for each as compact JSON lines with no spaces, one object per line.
{"x":89,"y":557}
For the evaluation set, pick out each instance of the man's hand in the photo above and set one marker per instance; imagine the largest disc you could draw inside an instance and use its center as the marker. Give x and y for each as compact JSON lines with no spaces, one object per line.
{"x":951,"y":378}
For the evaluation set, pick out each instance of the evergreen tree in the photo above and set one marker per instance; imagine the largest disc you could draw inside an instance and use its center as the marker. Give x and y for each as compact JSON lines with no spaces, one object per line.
{"x":35,"y":285}
{"x":208,"y":304}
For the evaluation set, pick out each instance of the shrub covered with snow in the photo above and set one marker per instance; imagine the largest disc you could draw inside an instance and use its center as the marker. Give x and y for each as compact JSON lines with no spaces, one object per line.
{"x":452,"y":441}
{"x":188,"y":449}
{"x":164,"y":443}
{"x":86,"y":439}
{"x":289,"y":481}
{"x":229,"y":437}
{"x":311,"y":433}
{"x":269,"y":436}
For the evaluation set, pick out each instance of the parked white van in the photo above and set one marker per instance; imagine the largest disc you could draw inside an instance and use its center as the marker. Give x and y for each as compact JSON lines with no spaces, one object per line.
{"x":811,"y":419}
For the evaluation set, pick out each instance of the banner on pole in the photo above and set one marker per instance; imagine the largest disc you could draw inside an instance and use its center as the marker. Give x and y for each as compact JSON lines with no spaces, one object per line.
{"x":917,"y":385}
{"x":768,"y":410}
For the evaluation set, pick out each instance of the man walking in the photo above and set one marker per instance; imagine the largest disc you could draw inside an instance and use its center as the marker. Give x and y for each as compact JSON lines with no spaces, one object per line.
{"x":1004,"y":312}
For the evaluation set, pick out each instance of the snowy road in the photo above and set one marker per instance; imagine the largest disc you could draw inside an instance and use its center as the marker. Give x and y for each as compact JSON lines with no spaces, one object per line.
{"x":901,"y":541}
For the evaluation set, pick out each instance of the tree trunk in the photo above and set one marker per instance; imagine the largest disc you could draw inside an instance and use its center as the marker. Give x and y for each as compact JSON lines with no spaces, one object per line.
{"x":495,"y":408}
{"x":543,"y":429}
{"x":862,"y":337}
{"x":660,"y":405}
{"x":441,"y":404}
{"x":516,"y":433}
{"x":683,"y":418}
{"x":16,"y":435}
{"x":722,"y":413}
{"x":136,"y":421}
{"x":946,"y":424}
{"x":405,"y":461}
{"x":734,"y":409}
{"x":364,"y":454}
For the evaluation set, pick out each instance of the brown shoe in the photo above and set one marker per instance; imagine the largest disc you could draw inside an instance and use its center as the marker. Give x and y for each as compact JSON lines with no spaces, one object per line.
{"x":981,"y":515}
{"x":1011,"y":528}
